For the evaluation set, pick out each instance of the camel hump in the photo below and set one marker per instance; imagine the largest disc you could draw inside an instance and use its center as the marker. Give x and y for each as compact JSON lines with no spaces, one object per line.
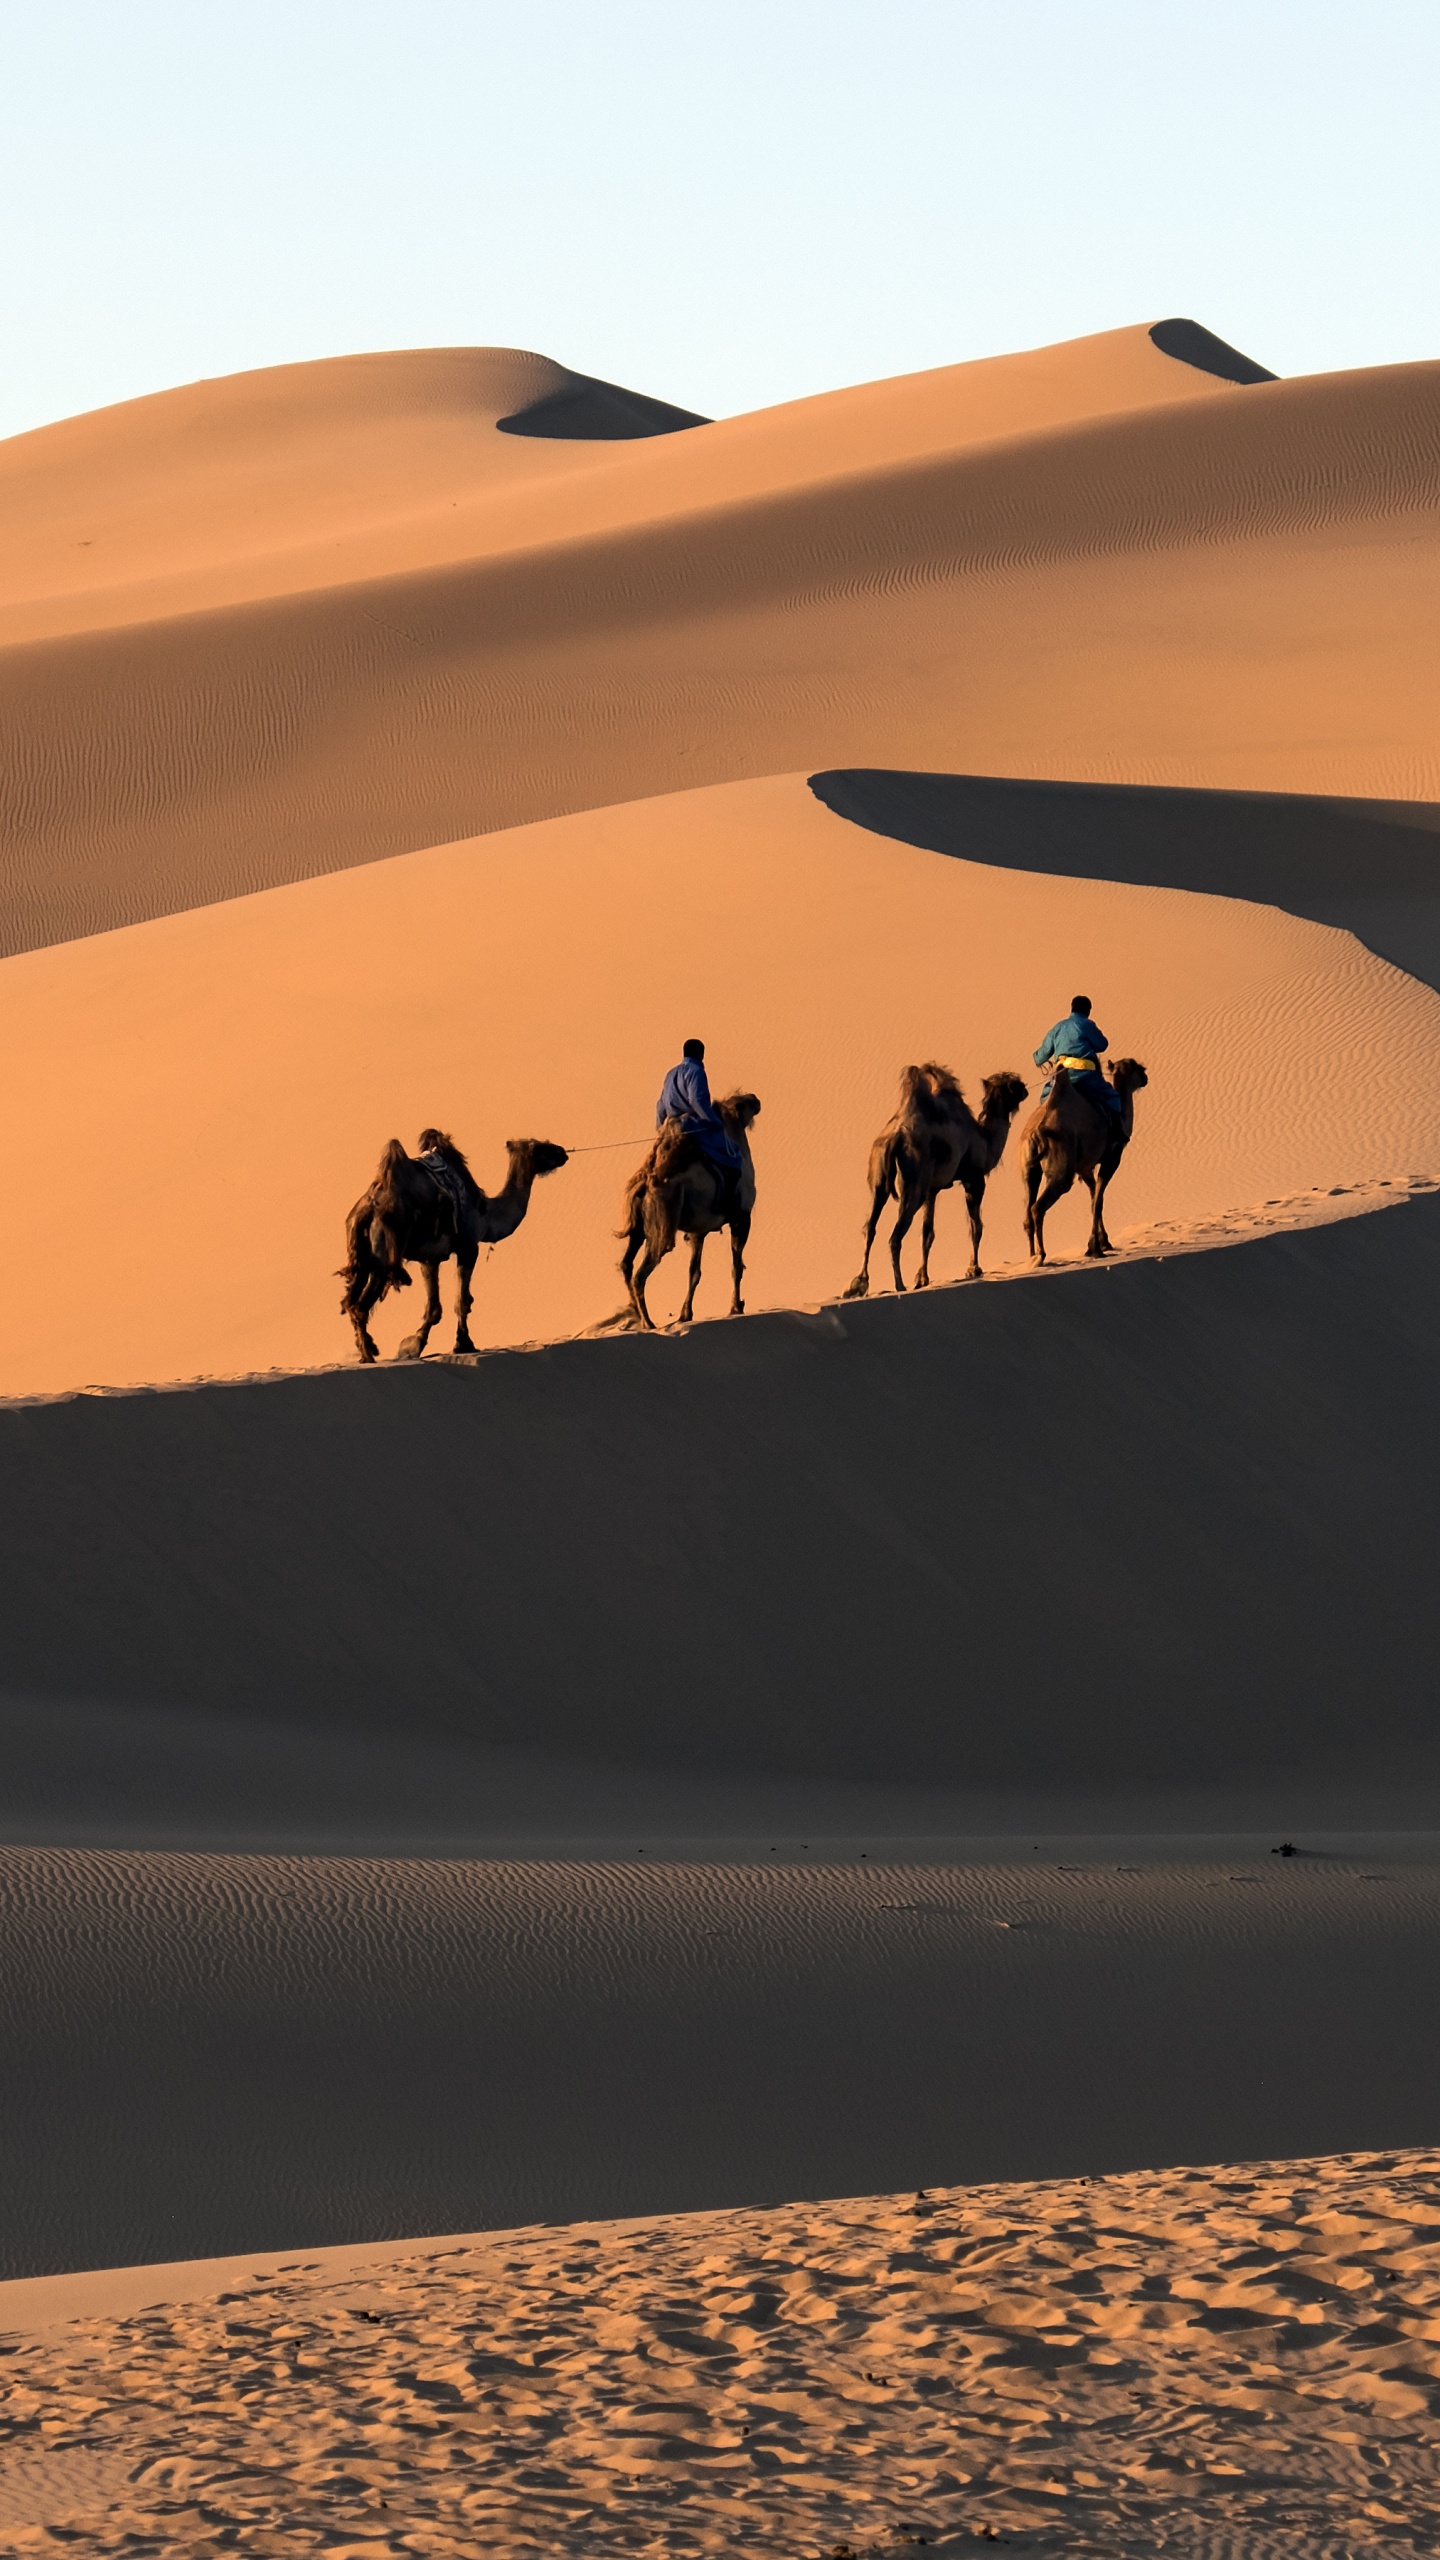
{"x":393,"y":1158}
{"x":926,"y":1091}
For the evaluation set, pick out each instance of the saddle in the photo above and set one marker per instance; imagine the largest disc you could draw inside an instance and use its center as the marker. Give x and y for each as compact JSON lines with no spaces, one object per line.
{"x":450,"y":1185}
{"x":677,"y":1150}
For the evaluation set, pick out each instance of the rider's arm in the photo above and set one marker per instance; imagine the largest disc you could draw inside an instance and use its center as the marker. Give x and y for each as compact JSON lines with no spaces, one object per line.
{"x":1046,"y":1048}
{"x":696,"y":1086}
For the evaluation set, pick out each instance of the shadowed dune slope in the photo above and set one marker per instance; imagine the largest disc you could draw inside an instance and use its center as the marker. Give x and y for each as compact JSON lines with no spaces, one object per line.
{"x":1373,"y":869}
{"x":207,"y":2055}
{"x":869,"y":1516}
{"x":1055,"y":570}
{"x":228,"y":1077}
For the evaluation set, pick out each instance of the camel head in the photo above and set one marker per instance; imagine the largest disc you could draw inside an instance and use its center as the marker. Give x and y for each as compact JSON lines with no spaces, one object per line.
{"x":532,"y":1156}
{"x":1127,"y":1075}
{"x":744,"y":1107}
{"x":1002,"y":1096}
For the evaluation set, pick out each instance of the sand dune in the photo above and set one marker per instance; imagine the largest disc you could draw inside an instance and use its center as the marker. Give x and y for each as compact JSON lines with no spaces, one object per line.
{"x":205,"y":1067}
{"x":260,"y":481}
{"x":1229,"y":587}
{"x":1371,"y":867}
{"x":207,"y":2054}
{"x":1201,"y":2361}
{"x":316,"y":475}
{"x":883,"y":1495}
{"x":842,"y":1752}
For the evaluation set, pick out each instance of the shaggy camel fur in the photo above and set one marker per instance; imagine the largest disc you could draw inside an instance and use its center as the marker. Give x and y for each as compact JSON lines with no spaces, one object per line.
{"x":675,"y":1192}
{"x":1069,"y":1135}
{"x":425,"y":1212}
{"x":933,"y":1141}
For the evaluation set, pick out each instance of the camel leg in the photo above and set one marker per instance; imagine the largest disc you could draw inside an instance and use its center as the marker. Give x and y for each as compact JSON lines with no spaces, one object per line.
{"x":464,"y":1300}
{"x":697,"y":1256}
{"x":365,"y":1284}
{"x":633,"y":1242}
{"x":413,"y":1346}
{"x":1100,"y":1243}
{"x":647,"y":1264}
{"x":927,"y":1238}
{"x":904,"y":1219}
{"x":974,"y":1197}
{"x":739,"y":1238}
{"x":1055,"y":1189}
{"x":366,"y":1298}
{"x":860,"y":1285}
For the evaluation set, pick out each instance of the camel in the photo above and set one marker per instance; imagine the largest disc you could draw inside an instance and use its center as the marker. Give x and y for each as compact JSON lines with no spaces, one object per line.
{"x":676,"y":1193}
{"x":1069,"y":1135}
{"x":424,"y":1209}
{"x":935,"y":1140}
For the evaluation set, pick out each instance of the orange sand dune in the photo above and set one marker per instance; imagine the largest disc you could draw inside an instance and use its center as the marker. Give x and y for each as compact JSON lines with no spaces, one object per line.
{"x":318,"y":474}
{"x":217,"y":490}
{"x":223,"y":1080}
{"x":1223,"y":586}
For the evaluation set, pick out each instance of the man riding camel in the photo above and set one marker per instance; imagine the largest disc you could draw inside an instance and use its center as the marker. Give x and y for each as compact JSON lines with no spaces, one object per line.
{"x":685,"y":1098}
{"x":1076,"y":1045}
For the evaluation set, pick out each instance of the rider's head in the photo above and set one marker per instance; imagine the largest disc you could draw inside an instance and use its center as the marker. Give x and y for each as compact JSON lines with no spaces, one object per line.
{"x":694,"y":1048}
{"x":1079,"y":1004}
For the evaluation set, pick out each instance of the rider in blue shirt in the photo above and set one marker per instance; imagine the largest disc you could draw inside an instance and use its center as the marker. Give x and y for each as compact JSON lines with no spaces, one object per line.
{"x":1076,"y":1045}
{"x":685,"y":1096}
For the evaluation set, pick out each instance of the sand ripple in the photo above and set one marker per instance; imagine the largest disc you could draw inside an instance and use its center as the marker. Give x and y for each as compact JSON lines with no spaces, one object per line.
{"x":205,"y":2054}
{"x":1234,"y":2362}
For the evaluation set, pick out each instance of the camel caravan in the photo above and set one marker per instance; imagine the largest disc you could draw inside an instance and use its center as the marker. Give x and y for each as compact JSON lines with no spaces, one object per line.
{"x":698,"y":1179}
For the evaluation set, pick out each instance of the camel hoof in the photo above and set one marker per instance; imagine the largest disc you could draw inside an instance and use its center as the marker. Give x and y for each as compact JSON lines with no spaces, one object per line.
{"x":922,"y":1280}
{"x":412,"y":1348}
{"x":464,"y":1347}
{"x":859,"y":1286}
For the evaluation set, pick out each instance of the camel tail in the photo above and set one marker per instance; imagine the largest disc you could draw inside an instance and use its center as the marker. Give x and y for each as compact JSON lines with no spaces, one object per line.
{"x":359,"y":1267}
{"x":659,"y":1215}
{"x":372,"y":1264}
{"x":885,"y":1169}
{"x":634,"y":1214}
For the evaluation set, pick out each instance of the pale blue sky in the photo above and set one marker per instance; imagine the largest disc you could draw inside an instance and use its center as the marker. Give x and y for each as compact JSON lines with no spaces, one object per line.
{"x":725,"y":205}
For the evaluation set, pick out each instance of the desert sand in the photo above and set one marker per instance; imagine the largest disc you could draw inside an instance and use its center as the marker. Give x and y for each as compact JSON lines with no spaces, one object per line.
{"x":838,"y":1753}
{"x":1104,"y":565}
{"x":537,"y":983}
{"x":1242,"y":2359}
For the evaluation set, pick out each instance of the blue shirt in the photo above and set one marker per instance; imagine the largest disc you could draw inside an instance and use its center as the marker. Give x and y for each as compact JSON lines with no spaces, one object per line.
{"x":1076,"y":1037}
{"x":685,"y":1096}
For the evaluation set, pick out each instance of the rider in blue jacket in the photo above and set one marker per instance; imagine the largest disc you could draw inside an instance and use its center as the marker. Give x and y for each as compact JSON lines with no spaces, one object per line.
{"x":685,"y":1096}
{"x":1076,"y":1045}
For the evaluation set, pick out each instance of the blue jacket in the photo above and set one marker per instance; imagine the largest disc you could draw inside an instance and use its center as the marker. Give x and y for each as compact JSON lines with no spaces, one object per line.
{"x":1076,"y":1037}
{"x":685,"y":1096}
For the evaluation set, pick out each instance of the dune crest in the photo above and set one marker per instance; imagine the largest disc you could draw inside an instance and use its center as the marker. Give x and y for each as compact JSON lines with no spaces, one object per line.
{"x":1095,"y":563}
